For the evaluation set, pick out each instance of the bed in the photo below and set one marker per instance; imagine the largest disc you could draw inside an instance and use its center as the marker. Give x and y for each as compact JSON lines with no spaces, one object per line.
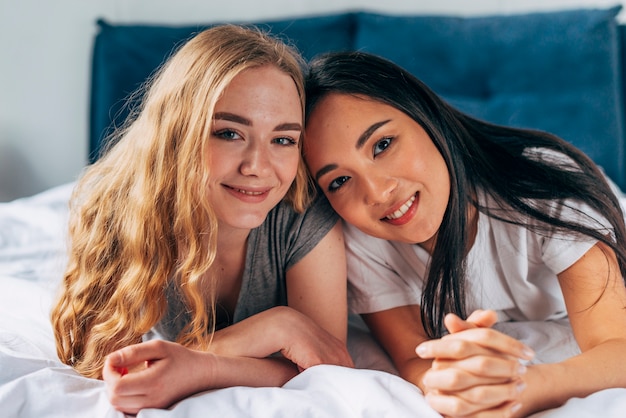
{"x":35,"y":384}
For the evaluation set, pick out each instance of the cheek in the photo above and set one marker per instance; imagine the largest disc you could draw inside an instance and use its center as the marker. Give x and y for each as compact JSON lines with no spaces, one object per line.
{"x":348,"y":210}
{"x":219,"y":158}
{"x":287,"y":166}
{"x":216,"y":168}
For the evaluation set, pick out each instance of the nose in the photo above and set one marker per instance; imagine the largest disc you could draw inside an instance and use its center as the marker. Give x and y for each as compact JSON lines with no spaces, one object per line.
{"x":256,"y":160}
{"x":378,"y":188}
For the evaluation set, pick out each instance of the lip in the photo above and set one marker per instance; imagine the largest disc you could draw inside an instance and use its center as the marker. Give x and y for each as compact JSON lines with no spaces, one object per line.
{"x":248,"y":194}
{"x":407,"y":216}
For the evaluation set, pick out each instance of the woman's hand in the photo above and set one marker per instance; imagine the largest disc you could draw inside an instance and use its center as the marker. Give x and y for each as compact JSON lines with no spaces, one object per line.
{"x":282,"y":330}
{"x":307,"y":344}
{"x":154,"y":374}
{"x":476,"y":371}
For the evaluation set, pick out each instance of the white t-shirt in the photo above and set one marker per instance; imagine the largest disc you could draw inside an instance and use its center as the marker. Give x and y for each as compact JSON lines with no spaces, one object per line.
{"x":510,"y":269}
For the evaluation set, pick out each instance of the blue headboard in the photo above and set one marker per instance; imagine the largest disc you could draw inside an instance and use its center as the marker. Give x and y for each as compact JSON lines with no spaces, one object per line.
{"x":125,"y":55}
{"x":560,"y":71}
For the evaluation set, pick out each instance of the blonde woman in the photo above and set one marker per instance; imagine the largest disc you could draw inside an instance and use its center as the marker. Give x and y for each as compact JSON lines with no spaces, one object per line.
{"x":197,"y":226}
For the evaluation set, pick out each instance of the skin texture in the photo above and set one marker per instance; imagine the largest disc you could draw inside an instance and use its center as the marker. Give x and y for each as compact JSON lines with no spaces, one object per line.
{"x":382,"y":142}
{"x":369,"y":159}
{"x":253,"y":149}
{"x":254,"y":156}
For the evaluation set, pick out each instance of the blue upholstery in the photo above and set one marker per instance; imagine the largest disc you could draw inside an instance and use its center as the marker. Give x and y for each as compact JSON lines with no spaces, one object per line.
{"x":559,"y":71}
{"x":125,"y":55}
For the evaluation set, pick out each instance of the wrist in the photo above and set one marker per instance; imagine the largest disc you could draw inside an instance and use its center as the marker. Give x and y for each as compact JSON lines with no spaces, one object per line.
{"x":206,"y":369}
{"x":281,"y":319}
{"x":535,"y":397}
{"x":415,"y":371}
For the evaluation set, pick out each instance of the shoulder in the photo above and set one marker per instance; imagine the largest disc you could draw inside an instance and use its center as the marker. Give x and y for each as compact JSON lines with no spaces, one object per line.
{"x":319,"y":214}
{"x":382,"y":274}
{"x":294,"y":234}
{"x":529,"y":240}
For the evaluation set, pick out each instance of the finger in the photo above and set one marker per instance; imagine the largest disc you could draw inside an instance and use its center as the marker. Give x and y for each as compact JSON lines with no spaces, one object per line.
{"x":455,"y":324}
{"x":483,"y":318}
{"x":454,"y":349}
{"x":474,"y":342}
{"x":455,"y":406}
{"x":133,"y":355}
{"x":505,"y":410}
{"x":133,"y":385}
{"x":452,"y":379}
{"x":111,"y":373}
{"x":493,"y":395}
{"x":487,"y":366}
{"x":496,"y":341}
{"x":449,"y":405}
{"x":478,"y":319}
{"x":128,"y":404}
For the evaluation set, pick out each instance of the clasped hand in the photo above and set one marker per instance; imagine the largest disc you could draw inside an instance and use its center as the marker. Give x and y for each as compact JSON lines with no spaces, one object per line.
{"x":476,"y":371}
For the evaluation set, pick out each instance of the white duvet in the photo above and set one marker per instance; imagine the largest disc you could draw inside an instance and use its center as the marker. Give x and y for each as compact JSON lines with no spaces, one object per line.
{"x":35,"y":384}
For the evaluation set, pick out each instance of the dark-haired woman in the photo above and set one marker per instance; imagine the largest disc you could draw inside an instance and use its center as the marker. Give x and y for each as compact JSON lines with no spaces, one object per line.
{"x":453,"y":225}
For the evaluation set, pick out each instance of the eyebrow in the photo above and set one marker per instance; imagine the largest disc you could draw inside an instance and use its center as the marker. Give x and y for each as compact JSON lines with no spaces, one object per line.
{"x":368,"y":133}
{"x":359,"y":144}
{"x":240,"y":119}
{"x":324,"y":170}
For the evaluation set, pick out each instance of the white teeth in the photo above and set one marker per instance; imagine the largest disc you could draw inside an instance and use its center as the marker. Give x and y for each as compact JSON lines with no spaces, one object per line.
{"x":403,"y":209}
{"x":249,"y":193}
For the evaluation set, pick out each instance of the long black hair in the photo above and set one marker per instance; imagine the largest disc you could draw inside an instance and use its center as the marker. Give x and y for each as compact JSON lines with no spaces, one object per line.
{"x":479,"y":156}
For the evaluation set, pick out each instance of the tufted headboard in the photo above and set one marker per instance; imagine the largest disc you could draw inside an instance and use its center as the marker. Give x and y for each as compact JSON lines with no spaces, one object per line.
{"x":560,"y":71}
{"x":125,"y":55}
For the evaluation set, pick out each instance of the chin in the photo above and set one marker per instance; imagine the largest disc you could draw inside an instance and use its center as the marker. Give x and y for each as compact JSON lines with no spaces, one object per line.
{"x":244,"y":221}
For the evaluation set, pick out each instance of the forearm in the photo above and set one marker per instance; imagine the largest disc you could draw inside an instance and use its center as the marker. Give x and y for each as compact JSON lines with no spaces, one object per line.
{"x":282,"y":330}
{"x":413,"y":371}
{"x":551,"y":385}
{"x":158,"y":373}
{"x":258,"y":336}
{"x":227,"y":371}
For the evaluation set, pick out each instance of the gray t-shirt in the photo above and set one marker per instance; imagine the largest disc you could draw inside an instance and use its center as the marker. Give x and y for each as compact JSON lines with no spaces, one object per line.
{"x":283,"y":239}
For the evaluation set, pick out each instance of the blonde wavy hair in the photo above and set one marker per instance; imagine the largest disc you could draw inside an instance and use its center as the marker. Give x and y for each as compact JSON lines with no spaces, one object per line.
{"x":139,"y":217}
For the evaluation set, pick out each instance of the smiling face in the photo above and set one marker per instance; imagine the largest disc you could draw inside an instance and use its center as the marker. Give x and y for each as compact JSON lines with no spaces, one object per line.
{"x":378,"y":167}
{"x":253,"y":149}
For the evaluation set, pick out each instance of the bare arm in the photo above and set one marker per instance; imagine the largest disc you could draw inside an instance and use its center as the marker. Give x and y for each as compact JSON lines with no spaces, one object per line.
{"x":399,"y":331}
{"x":163,"y":372}
{"x":317,"y":284}
{"x":175,"y":372}
{"x":595,"y":297}
{"x":448,"y":385}
{"x":476,"y":371}
{"x":311,"y":331}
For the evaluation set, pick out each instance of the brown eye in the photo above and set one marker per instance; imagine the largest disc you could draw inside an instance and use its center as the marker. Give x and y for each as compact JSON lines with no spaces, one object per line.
{"x":382,"y":145}
{"x":337,"y":183}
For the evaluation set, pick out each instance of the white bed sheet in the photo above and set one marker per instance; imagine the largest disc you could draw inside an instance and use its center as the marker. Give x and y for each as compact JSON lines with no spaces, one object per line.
{"x":35,"y":384}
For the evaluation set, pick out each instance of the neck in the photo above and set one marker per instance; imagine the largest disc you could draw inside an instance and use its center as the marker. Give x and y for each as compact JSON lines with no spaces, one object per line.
{"x":229,"y":238}
{"x":229,"y":266}
{"x":472,"y":231}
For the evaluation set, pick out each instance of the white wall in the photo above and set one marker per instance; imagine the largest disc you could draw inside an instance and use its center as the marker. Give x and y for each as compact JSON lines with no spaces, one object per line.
{"x":45,"y":52}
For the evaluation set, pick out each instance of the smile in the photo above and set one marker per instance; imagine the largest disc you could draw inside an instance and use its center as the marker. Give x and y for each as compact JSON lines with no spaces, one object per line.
{"x":248,"y":195}
{"x":247,"y":192}
{"x":402,"y":210}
